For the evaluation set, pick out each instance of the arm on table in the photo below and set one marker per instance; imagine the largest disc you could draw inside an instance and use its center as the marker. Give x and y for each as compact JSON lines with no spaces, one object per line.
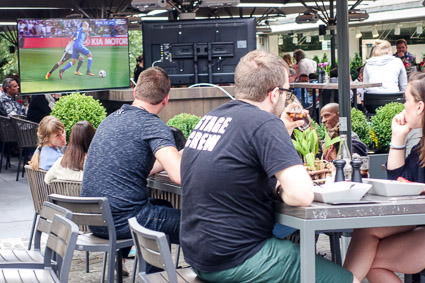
{"x":297,"y":187}
{"x":169,"y":159}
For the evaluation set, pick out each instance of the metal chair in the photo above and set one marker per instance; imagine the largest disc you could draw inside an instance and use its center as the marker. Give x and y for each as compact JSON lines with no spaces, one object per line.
{"x":7,"y":136}
{"x":34,"y":258}
{"x":61,"y":244}
{"x":26,"y":133}
{"x":374,"y":100}
{"x":95,"y":211}
{"x":152,"y":247}
{"x":39,"y":193}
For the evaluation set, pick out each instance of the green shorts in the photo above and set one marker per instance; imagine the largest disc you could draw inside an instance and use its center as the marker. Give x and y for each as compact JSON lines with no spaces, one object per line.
{"x":278,"y":261}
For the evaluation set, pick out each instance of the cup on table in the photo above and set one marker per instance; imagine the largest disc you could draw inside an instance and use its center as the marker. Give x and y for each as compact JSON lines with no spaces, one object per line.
{"x":295,"y":111}
{"x":364,"y":168}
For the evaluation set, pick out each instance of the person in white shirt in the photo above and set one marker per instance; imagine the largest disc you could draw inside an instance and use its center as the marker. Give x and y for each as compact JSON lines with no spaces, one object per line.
{"x":305,"y":65}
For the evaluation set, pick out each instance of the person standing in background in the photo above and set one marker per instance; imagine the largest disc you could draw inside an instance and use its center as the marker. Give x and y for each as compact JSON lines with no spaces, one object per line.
{"x":305,"y":65}
{"x":139,"y":68}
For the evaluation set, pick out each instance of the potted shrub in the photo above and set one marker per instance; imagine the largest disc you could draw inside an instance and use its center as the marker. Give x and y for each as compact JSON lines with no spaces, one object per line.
{"x":381,"y":136}
{"x":360,"y":126}
{"x":184,"y":122}
{"x":78,"y":107}
{"x":381,"y":124}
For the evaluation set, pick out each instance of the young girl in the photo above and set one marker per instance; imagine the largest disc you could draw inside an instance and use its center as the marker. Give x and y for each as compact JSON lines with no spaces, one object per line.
{"x":51,"y":135}
{"x":71,"y":165}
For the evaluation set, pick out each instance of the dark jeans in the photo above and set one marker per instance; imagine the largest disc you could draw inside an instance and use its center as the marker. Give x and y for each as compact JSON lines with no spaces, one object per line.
{"x":158,"y":215}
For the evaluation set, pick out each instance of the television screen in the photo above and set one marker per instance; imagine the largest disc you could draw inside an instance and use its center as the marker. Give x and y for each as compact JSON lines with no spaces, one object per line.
{"x":63,"y":55}
{"x":198,"y":51}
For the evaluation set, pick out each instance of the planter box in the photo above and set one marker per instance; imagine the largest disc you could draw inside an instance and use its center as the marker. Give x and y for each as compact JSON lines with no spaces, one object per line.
{"x":375,"y":166}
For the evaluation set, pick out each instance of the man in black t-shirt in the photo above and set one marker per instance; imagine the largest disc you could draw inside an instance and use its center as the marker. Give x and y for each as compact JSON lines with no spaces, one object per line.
{"x":229,"y":167}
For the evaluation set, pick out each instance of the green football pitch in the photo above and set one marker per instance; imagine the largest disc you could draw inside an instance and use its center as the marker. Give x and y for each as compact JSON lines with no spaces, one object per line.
{"x":34,"y":64}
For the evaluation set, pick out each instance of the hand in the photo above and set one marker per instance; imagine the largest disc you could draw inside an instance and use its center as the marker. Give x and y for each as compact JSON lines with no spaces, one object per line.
{"x":290,"y":124}
{"x":400,"y":127}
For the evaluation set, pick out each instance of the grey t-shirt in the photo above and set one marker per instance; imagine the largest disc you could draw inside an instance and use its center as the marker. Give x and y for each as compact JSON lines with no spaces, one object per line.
{"x":120,"y":158}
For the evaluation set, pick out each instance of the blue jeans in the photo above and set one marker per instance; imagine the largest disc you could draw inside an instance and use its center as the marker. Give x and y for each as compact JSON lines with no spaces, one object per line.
{"x":156,"y":215}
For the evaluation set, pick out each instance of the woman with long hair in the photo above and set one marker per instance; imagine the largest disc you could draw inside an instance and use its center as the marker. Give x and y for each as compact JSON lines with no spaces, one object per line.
{"x":51,"y":135}
{"x":70,"y":167}
{"x":376,"y":253}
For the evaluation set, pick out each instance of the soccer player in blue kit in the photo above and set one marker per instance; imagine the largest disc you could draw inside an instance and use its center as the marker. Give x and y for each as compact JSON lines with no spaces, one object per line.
{"x":80,"y":35}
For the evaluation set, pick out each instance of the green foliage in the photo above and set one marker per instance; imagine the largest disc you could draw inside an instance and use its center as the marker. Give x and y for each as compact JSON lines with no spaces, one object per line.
{"x":320,"y":129}
{"x":8,"y":61}
{"x":316,"y":59}
{"x":184,"y":122}
{"x":307,"y":145}
{"x":381,"y":123}
{"x":78,"y":107}
{"x":360,"y":126}
{"x":355,"y":63}
{"x":135,"y":41}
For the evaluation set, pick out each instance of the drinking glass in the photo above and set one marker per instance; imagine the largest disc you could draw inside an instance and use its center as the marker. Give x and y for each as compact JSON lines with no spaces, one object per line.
{"x":364,"y":168}
{"x":295,"y":111}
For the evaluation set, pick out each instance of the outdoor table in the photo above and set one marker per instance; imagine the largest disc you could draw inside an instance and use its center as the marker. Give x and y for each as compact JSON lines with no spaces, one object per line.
{"x":379,"y":212}
{"x":395,"y":211}
{"x":331,"y":86}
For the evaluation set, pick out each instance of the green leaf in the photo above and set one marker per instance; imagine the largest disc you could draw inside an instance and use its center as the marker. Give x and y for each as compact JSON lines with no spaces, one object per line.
{"x":309,"y":158}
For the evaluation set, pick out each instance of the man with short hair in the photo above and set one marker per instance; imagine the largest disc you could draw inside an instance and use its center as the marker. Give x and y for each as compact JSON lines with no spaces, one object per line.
{"x":230,"y":165}
{"x":401,"y":46}
{"x":330,"y":118}
{"x":305,"y":65}
{"x":122,"y":154}
{"x":8,"y":105}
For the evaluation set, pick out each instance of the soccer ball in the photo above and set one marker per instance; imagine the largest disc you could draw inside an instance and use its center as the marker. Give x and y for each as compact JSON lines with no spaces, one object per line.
{"x":102,"y":73}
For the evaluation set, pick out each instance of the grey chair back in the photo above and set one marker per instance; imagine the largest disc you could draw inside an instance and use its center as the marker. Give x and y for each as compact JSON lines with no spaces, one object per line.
{"x":48,"y":211}
{"x":38,"y":188}
{"x":61,"y":243}
{"x":94,"y":211}
{"x":7,"y":130}
{"x":153,"y":247}
{"x":65,"y":188}
{"x":26,"y":132}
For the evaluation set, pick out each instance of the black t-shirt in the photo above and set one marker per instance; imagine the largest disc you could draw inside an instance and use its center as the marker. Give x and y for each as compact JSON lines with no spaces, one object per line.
{"x":227,"y":164}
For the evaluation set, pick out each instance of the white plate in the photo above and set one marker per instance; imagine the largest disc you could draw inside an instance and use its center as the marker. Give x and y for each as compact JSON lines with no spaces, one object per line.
{"x":390,"y":188}
{"x":340,"y":192}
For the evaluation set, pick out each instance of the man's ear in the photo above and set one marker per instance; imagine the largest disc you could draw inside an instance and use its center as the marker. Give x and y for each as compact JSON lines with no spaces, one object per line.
{"x":165,"y":100}
{"x":134,"y":93}
{"x":274,"y":95}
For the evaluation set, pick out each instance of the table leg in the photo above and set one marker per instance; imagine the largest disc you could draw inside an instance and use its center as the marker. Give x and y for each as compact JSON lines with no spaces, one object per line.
{"x":307,"y":254}
{"x":314,"y":111}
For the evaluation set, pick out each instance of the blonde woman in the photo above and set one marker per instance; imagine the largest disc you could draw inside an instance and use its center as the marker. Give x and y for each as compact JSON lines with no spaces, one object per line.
{"x":384,"y":68}
{"x":51,"y":135}
{"x":379,"y":252}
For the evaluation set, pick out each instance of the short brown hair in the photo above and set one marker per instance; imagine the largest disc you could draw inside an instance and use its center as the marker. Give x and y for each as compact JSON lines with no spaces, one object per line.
{"x":257,"y":72}
{"x":153,"y":85}
{"x":81,"y":136}
{"x":401,"y":41}
{"x":299,"y":53}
